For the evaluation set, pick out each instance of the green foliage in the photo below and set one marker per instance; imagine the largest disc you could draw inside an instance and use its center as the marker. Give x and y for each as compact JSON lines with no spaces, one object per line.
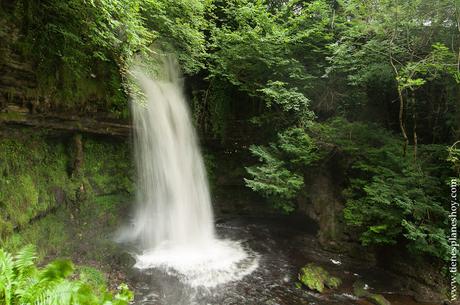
{"x":400,"y":50}
{"x":179,"y":26}
{"x":21,"y":282}
{"x":297,"y":147}
{"x":93,"y":277}
{"x":213,"y":109}
{"x":280,"y":176}
{"x":275,"y":93}
{"x":262,"y":52}
{"x":393,"y":199}
{"x":273,"y":181}
{"x":440,"y":62}
{"x":317,"y":278}
{"x":454,"y":157}
{"x":82,"y":49}
{"x":392,"y":31}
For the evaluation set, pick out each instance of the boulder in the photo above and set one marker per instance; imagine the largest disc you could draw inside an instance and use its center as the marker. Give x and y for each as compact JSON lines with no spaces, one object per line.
{"x":359,"y":290}
{"x":317,"y":278}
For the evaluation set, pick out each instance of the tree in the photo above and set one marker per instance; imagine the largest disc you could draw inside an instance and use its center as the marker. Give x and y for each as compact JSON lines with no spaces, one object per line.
{"x":272,"y":52}
{"x":405,"y":37}
{"x":280,"y":176}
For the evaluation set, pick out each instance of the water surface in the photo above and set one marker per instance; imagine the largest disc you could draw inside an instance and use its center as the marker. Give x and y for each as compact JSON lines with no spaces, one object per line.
{"x":281,"y":246}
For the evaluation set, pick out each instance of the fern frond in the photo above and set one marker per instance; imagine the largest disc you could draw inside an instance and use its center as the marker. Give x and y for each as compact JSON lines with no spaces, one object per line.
{"x":6,"y":277}
{"x":22,"y":283}
{"x":62,"y":293}
{"x":24,"y":260}
{"x":56,"y":270}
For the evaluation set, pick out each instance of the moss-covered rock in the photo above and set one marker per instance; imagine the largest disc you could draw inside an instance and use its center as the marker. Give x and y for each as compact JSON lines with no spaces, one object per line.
{"x":333,"y":282}
{"x":36,"y":174}
{"x":360,"y":291}
{"x":317,"y":278}
{"x":378,"y":299}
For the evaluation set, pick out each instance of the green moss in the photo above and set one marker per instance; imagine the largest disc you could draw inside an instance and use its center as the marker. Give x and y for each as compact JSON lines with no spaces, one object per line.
{"x":11,"y":116}
{"x":361,"y":292}
{"x":333,"y":282}
{"x":379,"y":299}
{"x":81,"y":232}
{"x":358,"y":289}
{"x":31,"y":168}
{"x":317,"y":278}
{"x":108,"y":166}
{"x":35,"y":176}
{"x":50,"y":235}
{"x":103,"y":208}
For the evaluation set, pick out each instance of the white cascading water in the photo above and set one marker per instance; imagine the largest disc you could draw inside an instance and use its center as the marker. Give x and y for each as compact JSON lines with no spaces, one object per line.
{"x":173,"y":223}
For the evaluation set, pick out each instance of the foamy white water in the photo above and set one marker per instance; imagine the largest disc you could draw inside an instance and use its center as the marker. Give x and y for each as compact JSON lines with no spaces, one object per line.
{"x":174,"y":223}
{"x":219,"y":262}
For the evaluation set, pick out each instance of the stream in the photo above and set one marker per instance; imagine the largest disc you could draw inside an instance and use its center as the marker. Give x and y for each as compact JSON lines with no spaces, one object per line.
{"x":281,"y":246}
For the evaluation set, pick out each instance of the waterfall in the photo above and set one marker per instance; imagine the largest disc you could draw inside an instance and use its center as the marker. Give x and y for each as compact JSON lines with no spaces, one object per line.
{"x":173,"y":196}
{"x":173,"y":223}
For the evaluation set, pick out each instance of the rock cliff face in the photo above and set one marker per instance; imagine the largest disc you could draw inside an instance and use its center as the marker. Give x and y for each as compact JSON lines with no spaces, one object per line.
{"x":23,"y":103}
{"x":102,"y":125}
{"x":323,"y":204}
{"x":322,"y":199}
{"x":17,"y":78}
{"x":38,"y":151}
{"x":41,"y":170}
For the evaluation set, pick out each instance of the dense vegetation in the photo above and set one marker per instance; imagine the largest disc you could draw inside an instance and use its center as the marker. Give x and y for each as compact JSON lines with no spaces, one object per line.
{"x":374,"y":81}
{"x":21,"y":282}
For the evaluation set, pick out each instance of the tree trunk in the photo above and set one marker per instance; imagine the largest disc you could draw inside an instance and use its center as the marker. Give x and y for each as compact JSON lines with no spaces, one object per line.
{"x":414,"y":120}
{"x":401,"y":108}
{"x":401,"y":121}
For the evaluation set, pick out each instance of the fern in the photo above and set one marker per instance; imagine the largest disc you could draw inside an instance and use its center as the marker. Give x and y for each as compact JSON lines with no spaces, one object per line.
{"x":24,"y":262}
{"x":279,"y":177}
{"x":21,"y":282}
{"x":6,"y":276}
